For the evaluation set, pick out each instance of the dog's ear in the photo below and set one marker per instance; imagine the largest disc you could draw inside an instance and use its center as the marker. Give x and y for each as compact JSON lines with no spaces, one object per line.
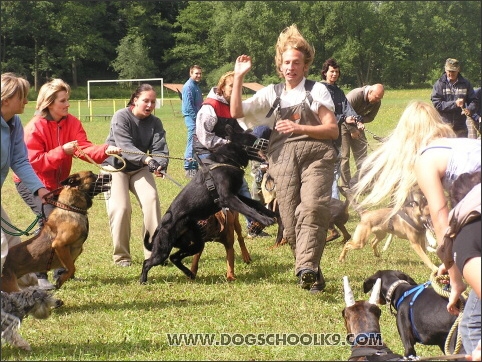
{"x":368,"y":284}
{"x":403,"y":276}
{"x":229,"y":132}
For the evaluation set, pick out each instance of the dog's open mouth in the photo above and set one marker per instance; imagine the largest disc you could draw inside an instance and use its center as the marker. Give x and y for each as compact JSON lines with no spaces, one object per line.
{"x":101,"y":189}
{"x":258,"y":150}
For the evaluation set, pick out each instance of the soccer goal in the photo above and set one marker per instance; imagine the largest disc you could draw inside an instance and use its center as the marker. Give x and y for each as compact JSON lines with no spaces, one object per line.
{"x":159,"y":103}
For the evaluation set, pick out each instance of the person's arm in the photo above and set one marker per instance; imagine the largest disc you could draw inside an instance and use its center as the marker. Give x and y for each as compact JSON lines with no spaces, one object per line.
{"x":429,"y":171}
{"x":206,"y":120}
{"x":327,"y":130}
{"x":241,"y":68}
{"x":159,"y":144}
{"x":20,"y":163}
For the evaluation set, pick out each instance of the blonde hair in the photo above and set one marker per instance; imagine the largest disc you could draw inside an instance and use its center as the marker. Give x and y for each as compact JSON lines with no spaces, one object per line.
{"x":48,"y":94}
{"x":389,"y":171}
{"x":291,"y":38}
{"x":222,"y":82}
{"x":14,"y":86}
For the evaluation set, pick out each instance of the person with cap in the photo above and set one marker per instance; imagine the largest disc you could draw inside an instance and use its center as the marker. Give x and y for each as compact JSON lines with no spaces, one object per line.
{"x":454,"y":98}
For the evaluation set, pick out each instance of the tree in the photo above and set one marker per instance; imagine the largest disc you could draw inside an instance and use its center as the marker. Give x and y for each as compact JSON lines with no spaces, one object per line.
{"x":133,"y":59}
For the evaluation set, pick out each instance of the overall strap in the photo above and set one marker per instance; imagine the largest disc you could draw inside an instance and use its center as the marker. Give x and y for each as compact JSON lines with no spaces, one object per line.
{"x":308,"y":87}
{"x":278,"y":88}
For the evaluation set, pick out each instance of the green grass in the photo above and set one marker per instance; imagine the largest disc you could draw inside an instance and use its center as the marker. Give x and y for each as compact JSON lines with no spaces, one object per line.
{"x":109,"y":316}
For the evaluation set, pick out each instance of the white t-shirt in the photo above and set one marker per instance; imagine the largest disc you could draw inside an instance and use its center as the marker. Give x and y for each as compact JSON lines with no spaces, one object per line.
{"x":256,"y":107}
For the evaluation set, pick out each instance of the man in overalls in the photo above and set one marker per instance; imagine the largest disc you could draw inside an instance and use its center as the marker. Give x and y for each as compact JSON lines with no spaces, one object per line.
{"x":301,"y":154}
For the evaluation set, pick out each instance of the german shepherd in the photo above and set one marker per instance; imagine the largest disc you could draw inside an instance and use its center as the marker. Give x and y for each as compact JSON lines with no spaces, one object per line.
{"x":60,"y":240}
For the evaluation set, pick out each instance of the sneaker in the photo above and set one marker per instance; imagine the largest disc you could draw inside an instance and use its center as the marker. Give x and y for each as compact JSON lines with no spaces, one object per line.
{"x":45,"y":284}
{"x":320,"y":283}
{"x":307,"y":279}
{"x":124,"y":263}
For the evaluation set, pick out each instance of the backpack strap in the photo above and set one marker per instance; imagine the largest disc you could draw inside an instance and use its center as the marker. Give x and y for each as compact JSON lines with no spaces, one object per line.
{"x":278,"y":88}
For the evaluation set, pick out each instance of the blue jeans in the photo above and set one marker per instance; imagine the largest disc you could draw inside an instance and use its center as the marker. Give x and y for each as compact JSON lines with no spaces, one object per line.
{"x":470,"y":324}
{"x":188,"y":153}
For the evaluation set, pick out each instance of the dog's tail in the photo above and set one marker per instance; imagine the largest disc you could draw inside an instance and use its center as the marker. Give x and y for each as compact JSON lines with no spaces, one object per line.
{"x":147,"y":244}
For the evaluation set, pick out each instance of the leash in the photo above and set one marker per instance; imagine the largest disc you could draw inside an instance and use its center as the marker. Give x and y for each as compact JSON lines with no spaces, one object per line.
{"x":450,"y":357}
{"x":90,"y":160}
{"x":20,"y":232}
{"x":441,"y":289}
{"x":171,"y":179}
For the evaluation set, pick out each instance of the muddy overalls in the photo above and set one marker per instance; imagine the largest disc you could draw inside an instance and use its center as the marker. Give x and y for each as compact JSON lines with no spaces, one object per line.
{"x":303,"y":171}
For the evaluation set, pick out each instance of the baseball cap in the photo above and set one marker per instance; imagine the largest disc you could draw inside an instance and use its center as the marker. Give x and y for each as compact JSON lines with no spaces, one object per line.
{"x":452,"y":65}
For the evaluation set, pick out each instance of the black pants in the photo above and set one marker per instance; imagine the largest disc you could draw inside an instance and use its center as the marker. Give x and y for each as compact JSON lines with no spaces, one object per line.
{"x":35,"y":203}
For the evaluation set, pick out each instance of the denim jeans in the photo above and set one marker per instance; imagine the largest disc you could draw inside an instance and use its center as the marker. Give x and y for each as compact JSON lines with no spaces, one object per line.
{"x":470,"y":324}
{"x":188,"y":153}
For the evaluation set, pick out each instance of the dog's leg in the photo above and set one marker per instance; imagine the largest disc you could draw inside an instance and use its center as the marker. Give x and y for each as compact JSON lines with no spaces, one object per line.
{"x":344,"y":231}
{"x":388,"y":242}
{"x":17,"y":341}
{"x":417,"y":246}
{"x":9,"y":281}
{"x":379,"y":236}
{"x":360,"y":237}
{"x":250,"y":208}
{"x":63,"y":253}
{"x":405,"y":332}
{"x":159,"y":253}
{"x":239,"y":233}
{"x":177,"y":257}
{"x":195,"y":262}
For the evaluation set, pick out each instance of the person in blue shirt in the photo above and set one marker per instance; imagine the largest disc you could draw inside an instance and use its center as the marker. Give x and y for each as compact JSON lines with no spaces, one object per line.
{"x":14,"y":156}
{"x":192,"y":100}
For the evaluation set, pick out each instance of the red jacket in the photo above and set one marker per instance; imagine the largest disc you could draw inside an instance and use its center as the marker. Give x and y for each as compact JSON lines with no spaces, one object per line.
{"x":44,"y":140}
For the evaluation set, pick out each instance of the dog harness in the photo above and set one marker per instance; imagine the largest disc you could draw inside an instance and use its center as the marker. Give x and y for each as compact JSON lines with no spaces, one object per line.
{"x":416,"y":291}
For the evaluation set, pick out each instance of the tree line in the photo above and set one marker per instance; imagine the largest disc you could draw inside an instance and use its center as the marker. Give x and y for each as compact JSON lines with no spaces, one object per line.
{"x":402,"y":44}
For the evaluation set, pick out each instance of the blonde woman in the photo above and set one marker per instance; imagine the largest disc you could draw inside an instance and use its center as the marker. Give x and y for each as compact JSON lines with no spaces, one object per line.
{"x":52,"y":137}
{"x":14,"y":155}
{"x":301,"y":153}
{"x":423,"y":150}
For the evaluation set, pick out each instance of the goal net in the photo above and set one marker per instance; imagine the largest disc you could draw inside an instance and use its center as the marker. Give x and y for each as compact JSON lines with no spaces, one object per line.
{"x":122,"y":89}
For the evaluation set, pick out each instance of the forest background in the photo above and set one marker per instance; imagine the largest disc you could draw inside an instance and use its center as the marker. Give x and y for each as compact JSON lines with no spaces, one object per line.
{"x":402,"y":44}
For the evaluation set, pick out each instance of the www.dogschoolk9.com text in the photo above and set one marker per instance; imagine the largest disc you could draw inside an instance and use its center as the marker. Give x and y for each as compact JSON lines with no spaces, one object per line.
{"x":274,"y":339}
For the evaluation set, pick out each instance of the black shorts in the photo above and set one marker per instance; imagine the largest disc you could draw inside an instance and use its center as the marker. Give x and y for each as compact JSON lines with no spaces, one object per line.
{"x":467,"y":243}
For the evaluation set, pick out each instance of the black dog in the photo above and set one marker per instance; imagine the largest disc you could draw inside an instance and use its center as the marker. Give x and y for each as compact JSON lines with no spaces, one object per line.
{"x":426,"y":321}
{"x":215,"y":187}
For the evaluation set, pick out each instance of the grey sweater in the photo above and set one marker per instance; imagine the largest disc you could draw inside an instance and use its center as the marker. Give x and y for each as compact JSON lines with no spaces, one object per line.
{"x":136,"y":135}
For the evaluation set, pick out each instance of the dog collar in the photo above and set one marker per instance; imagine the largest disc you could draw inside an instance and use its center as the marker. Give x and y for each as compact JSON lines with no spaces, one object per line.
{"x":392,"y":288}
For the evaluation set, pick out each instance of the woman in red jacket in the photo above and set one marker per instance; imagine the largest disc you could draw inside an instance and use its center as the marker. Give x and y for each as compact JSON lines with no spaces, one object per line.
{"x":52,"y":137}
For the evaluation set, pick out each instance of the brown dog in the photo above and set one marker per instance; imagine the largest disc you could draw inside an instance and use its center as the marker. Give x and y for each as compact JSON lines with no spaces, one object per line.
{"x":221,"y":227}
{"x":409,"y":223}
{"x":60,"y":241}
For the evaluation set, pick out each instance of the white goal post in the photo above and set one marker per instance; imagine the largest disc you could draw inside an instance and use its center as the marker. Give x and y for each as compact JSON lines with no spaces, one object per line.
{"x":127,"y":80}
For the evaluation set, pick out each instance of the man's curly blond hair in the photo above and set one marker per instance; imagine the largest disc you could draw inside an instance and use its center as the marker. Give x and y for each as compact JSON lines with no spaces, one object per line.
{"x":291,"y":38}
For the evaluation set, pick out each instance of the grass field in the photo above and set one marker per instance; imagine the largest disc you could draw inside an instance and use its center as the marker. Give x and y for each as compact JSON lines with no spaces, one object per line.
{"x":109,"y":316}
